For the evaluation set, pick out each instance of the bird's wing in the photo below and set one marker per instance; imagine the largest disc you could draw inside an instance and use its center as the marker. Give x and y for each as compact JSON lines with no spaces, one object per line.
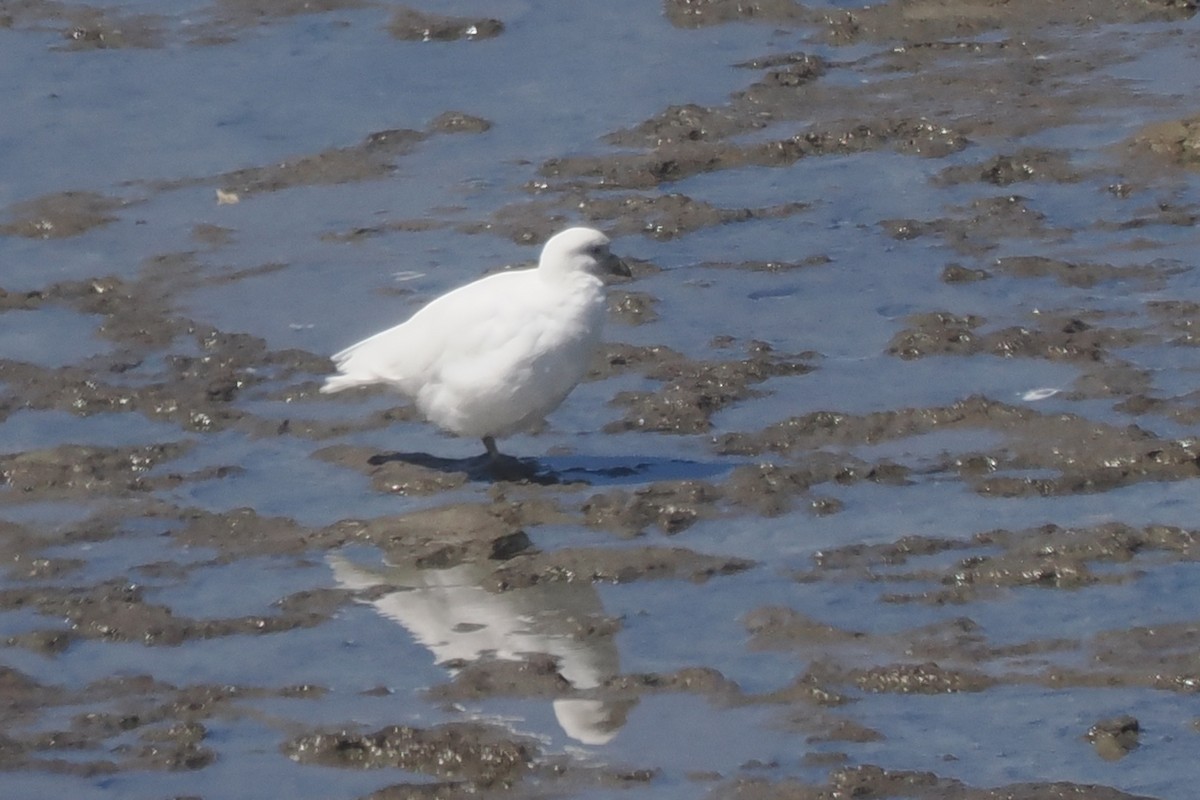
{"x":457,"y":326}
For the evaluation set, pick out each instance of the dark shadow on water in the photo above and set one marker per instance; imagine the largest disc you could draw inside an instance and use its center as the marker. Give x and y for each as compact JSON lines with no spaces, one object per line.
{"x":578,"y":468}
{"x":617,"y":470}
{"x":477,"y":468}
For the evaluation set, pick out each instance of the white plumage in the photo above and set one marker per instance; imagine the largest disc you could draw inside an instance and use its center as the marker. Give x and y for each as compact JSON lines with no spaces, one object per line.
{"x":495,"y":356}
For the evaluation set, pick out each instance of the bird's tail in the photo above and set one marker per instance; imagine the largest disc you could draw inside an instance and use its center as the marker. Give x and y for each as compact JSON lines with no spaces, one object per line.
{"x":338,"y":383}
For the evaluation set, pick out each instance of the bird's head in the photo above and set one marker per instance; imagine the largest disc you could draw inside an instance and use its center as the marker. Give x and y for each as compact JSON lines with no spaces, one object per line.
{"x":585,"y":250}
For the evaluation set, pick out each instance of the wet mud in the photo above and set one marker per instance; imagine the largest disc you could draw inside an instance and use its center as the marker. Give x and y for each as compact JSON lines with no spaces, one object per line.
{"x":499,"y":579}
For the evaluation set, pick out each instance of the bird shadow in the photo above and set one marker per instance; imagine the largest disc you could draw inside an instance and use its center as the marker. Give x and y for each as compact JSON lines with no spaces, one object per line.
{"x":591,"y":470}
{"x":482,"y":468}
{"x":616,"y":470}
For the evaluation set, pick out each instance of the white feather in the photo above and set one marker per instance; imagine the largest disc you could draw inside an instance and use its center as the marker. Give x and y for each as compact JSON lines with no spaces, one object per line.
{"x":495,"y":356}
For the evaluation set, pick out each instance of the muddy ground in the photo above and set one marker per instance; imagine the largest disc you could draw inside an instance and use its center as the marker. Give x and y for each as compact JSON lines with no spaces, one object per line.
{"x":948,"y":63}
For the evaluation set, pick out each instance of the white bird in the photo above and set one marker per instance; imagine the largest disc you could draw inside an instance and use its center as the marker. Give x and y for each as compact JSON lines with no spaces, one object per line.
{"x":495,"y":356}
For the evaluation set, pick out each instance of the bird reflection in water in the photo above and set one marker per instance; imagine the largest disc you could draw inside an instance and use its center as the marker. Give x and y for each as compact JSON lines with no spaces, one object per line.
{"x":450,"y":612}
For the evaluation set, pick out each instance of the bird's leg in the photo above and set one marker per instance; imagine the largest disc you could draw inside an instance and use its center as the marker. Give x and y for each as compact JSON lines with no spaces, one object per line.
{"x":493,"y":453}
{"x":498,"y":464}
{"x":506,"y":468}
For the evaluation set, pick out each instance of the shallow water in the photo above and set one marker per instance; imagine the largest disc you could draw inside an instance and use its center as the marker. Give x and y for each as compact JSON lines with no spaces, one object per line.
{"x":922,"y":532}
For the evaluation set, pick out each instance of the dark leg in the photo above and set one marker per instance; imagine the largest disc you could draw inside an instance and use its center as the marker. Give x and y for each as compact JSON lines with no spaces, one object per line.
{"x":490,"y":444}
{"x":505,"y":468}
